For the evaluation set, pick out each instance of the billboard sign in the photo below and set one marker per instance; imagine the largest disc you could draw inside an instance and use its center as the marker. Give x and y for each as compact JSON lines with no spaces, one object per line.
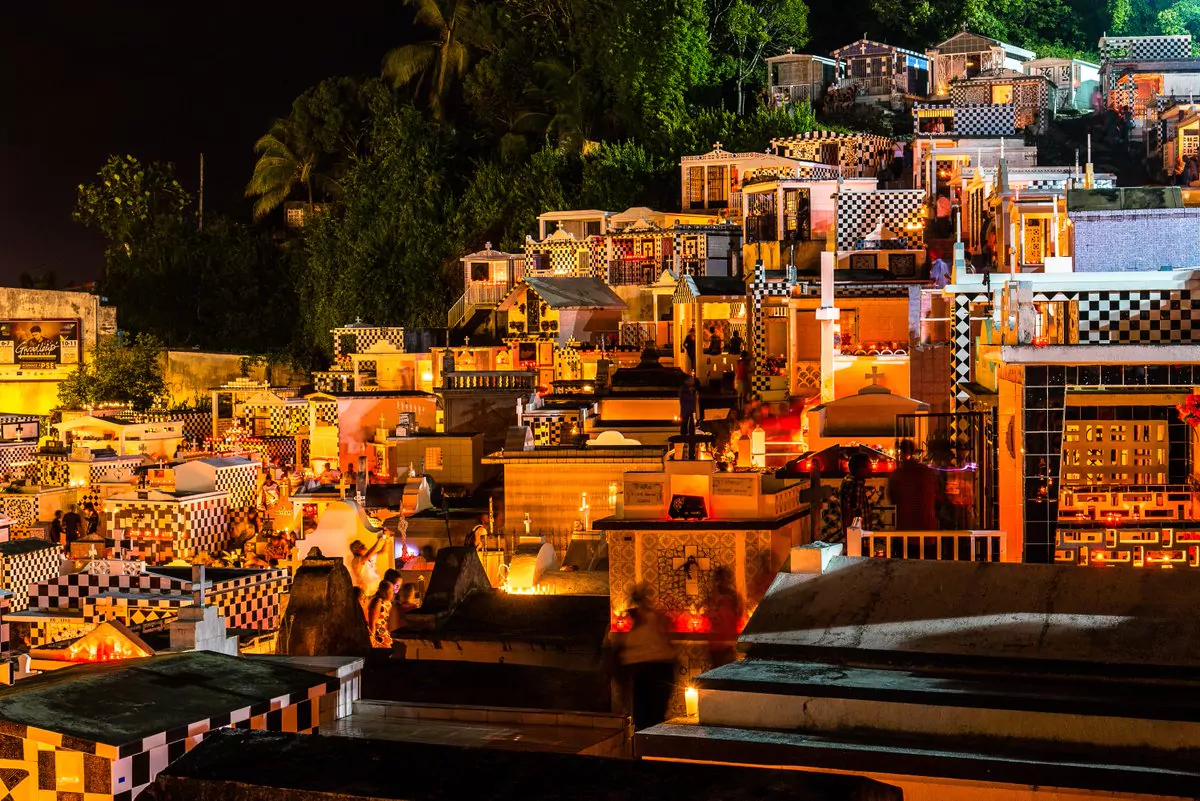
{"x":40,"y":343}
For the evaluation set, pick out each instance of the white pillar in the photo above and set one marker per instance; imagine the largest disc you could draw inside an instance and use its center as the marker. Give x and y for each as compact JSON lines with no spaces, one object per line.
{"x":828,"y":315}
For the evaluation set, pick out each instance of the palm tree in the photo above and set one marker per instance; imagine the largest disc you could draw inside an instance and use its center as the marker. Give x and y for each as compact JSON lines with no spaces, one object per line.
{"x":443,"y":58}
{"x":286,"y":161}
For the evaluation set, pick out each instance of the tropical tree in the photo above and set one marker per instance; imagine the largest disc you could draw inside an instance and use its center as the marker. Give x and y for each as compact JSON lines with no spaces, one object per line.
{"x":566,"y":97}
{"x":128,"y":197}
{"x":441,"y":60}
{"x":123,"y":369}
{"x":744,"y":32}
{"x":287,"y":160}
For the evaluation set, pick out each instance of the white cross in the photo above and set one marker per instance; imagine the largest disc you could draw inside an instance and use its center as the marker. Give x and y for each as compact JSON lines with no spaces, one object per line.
{"x":874,"y":375}
{"x":692,"y":564}
{"x":717,"y":145}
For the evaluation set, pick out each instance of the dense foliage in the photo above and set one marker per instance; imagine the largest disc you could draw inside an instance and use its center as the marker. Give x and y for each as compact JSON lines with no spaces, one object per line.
{"x":123,"y":370}
{"x":498,"y":111}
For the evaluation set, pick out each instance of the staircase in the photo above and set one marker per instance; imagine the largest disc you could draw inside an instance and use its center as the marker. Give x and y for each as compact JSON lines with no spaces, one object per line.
{"x":475,"y":305}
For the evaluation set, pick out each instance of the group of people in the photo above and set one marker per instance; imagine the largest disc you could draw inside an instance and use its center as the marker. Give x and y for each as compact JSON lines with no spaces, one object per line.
{"x":383,"y":599}
{"x":69,"y":527}
{"x":1187,"y":172}
{"x":644,"y":660}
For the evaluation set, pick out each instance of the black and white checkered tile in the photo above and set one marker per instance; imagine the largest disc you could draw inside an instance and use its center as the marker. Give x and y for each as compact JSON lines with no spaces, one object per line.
{"x":358,"y":340}
{"x":1153,"y":317}
{"x":74,"y":589}
{"x":859,"y":155}
{"x":24,"y":564}
{"x":240,"y":483}
{"x":14,"y":453}
{"x":985,"y":119}
{"x":1146,"y":48}
{"x":858,"y":213}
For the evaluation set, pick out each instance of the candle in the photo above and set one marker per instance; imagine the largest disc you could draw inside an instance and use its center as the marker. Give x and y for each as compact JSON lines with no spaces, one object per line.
{"x":691,"y":700}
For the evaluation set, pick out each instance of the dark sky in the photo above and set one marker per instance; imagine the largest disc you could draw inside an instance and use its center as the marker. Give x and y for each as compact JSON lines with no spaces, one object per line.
{"x":161,"y":80}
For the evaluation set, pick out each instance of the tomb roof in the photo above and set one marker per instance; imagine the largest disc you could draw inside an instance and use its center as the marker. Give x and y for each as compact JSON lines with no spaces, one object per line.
{"x":17,"y":547}
{"x":1130,"y":198}
{"x":125,"y":702}
{"x":1045,"y":617}
{"x":575,"y":293}
{"x":296,"y":766}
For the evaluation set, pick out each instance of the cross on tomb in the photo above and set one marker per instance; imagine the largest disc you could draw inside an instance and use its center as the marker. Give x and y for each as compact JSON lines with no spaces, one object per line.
{"x":717,"y":145}
{"x":874,"y":375}
{"x":692,"y":564}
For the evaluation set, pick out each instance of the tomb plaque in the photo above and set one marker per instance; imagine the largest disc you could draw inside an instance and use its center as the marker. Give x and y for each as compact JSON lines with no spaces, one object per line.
{"x":644,"y":493}
{"x":733,"y":486}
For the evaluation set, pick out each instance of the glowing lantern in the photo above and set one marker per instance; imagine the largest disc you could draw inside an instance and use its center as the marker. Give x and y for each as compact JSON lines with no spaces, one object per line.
{"x":758,"y":447}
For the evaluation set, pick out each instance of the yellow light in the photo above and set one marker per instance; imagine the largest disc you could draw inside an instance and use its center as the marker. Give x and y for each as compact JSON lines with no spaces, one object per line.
{"x":427,"y":377}
{"x":691,"y":700}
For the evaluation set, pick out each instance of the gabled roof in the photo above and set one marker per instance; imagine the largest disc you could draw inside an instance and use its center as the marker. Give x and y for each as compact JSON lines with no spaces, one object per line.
{"x":691,"y":287}
{"x":967,"y":42}
{"x":867,"y":47}
{"x":570,"y":293}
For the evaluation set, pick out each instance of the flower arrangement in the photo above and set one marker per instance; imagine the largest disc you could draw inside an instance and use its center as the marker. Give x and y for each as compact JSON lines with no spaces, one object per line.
{"x":1189,"y":410}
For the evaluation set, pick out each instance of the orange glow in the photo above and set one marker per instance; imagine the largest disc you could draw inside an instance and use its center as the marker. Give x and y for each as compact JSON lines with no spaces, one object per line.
{"x":108,"y":649}
{"x":622,"y":623}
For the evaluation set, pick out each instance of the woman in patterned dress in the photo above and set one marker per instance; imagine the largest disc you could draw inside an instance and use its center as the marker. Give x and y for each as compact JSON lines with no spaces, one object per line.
{"x":379,"y":614}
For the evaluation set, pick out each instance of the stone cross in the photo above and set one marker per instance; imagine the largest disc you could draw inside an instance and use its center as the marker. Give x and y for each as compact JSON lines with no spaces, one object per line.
{"x":717,"y":145}
{"x":692,"y":564}
{"x":198,"y":586}
{"x":874,"y":375}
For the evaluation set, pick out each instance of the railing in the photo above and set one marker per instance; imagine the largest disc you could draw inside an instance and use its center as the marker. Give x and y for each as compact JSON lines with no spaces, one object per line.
{"x":457,"y":312}
{"x":633,"y":272}
{"x":875,"y":84}
{"x":792,"y":93}
{"x":490,"y":380}
{"x":478,"y":293}
{"x":946,"y":546}
{"x":637,"y":334}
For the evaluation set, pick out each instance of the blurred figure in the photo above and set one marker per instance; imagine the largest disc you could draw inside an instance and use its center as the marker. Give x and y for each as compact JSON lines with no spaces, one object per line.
{"x":853,"y":493}
{"x":914,"y":488}
{"x":725,"y":610}
{"x":647,"y":660}
{"x":363,"y":569}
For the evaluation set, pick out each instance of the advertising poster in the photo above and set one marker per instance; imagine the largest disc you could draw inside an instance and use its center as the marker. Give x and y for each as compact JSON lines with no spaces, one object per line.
{"x":39,"y":343}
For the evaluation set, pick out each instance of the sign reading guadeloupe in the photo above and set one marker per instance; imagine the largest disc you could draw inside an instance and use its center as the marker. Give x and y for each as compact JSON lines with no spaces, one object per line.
{"x":39,"y":343}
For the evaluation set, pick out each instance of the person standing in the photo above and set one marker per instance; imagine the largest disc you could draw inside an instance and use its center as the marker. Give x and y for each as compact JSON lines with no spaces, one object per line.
{"x":689,"y":350}
{"x":379,"y":614}
{"x":91,"y":520}
{"x":363,"y":570}
{"x":942,"y":212}
{"x":913,"y":488}
{"x":853,"y":493}
{"x":71,"y":524}
{"x":56,"y":528}
{"x":647,"y":659}
{"x":689,"y":404}
{"x":725,"y":610}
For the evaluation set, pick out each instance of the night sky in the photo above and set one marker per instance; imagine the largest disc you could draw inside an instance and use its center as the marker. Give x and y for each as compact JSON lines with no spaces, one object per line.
{"x":167,"y":80}
{"x":159,"y":81}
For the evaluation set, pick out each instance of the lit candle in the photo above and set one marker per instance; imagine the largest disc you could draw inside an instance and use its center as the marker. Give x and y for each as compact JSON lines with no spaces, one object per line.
{"x":691,"y":701}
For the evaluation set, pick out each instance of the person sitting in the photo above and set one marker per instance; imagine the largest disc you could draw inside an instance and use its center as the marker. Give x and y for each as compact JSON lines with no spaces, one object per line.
{"x":714,"y":342}
{"x":406,"y":598}
{"x":734,"y":345}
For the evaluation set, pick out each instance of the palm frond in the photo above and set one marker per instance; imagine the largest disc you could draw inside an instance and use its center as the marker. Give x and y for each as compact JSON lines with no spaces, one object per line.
{"x":402,"y":64}
{"x":429,"y":15}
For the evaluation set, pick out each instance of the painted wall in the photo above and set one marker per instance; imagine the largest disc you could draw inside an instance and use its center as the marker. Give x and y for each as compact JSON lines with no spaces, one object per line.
{"x":1122,"y":242}
{"x":192,"y":375}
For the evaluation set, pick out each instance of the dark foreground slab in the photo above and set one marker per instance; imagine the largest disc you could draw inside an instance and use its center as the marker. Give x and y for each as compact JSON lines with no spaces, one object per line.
{"x":256,"y":766}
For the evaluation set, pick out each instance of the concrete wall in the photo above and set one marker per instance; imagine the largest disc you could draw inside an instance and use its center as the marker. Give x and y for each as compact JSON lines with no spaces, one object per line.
{"x":192,"y":375}
{"x":1132,"y":241}
{"x":929,"y":376}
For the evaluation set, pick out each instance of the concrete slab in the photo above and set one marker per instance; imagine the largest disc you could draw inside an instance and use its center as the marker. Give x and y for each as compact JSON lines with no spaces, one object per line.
{"x":878,"y":610}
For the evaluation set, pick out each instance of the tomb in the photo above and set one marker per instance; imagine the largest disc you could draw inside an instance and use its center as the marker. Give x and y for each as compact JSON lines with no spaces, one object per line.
{"x":232,"y":764}
{"x":24,"y":563}
{"x":105,"y":731}
{"x":674,"y":528}
{"x":1086,"y":372}
{"x":1140,"y":73}
{"x":799,"y":78}
{"x":322,"y":617}
{"x":967,"y":55}
{"x":1133,"y":228}
{"x":1076,"y":81}
{"x":561,"y":308}
{"x":110,"y":641}
{"x":156,"y":439}
{"x":158,"y":526}
{"x":1009,"y":680}
{"x":880,"y":71}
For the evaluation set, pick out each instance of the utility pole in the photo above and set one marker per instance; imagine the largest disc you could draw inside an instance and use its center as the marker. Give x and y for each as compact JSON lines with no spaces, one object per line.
{"x":201,"y":208}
